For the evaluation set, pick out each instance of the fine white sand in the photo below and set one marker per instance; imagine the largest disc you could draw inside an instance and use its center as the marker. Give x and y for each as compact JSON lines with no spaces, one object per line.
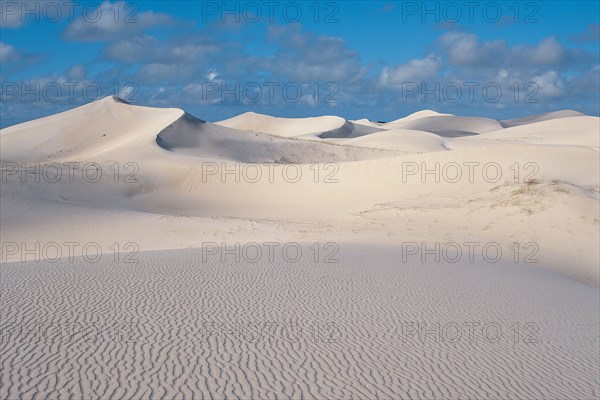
{"x":172,"y":326}
{"x":171,"y":183}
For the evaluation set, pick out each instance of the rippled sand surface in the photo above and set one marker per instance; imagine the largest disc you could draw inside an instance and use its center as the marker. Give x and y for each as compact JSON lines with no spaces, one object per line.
{"x":179,"y":324}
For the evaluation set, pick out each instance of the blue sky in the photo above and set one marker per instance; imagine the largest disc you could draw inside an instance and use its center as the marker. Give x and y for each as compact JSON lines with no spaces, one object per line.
{"x":376,"y":60}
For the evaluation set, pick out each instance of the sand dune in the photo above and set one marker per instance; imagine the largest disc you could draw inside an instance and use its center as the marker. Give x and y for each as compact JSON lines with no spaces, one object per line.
{"x":449,"y":126}
{"x":405,"y":140}
{"x":99,"y":127}
{"x":285,"y":127}
{"x":417,"y":115}
{"x":368,"y":188}
{"x":399,"y":121}
{"x":349,"y":130}
{"x":367,"y":122}
{"x":565,"y":130}
{"x":540,"y":117}
{"x":192,"y":136}
{"x":308,"y":128}
{"x":181,"y":164}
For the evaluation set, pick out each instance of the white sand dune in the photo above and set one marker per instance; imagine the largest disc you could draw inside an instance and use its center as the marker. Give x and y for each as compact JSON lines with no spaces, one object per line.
{"x":192,"y":136}
{"x":449,"y":125}
{"x":367,"y":122}
{"x":181,"y":166}
{"x":99,"y":127}
{"x":349,"y":130}
{"x":285,"y":127}
{"x":368,"y":188}
{"x":404,"y":140}
{"x":540,"y":117}
{"x":323,"y":127}
{"x":417,"y":115}
{"x":399,"y":121}
{"x":565,"y":130}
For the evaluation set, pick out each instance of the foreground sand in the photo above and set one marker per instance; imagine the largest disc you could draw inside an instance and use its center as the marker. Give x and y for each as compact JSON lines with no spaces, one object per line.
{"x":161,"y":314}
{"x":173,"y":326}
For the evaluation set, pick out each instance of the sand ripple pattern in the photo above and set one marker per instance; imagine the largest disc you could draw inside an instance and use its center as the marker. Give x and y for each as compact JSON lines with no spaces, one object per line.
{"x":174,"y":327}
